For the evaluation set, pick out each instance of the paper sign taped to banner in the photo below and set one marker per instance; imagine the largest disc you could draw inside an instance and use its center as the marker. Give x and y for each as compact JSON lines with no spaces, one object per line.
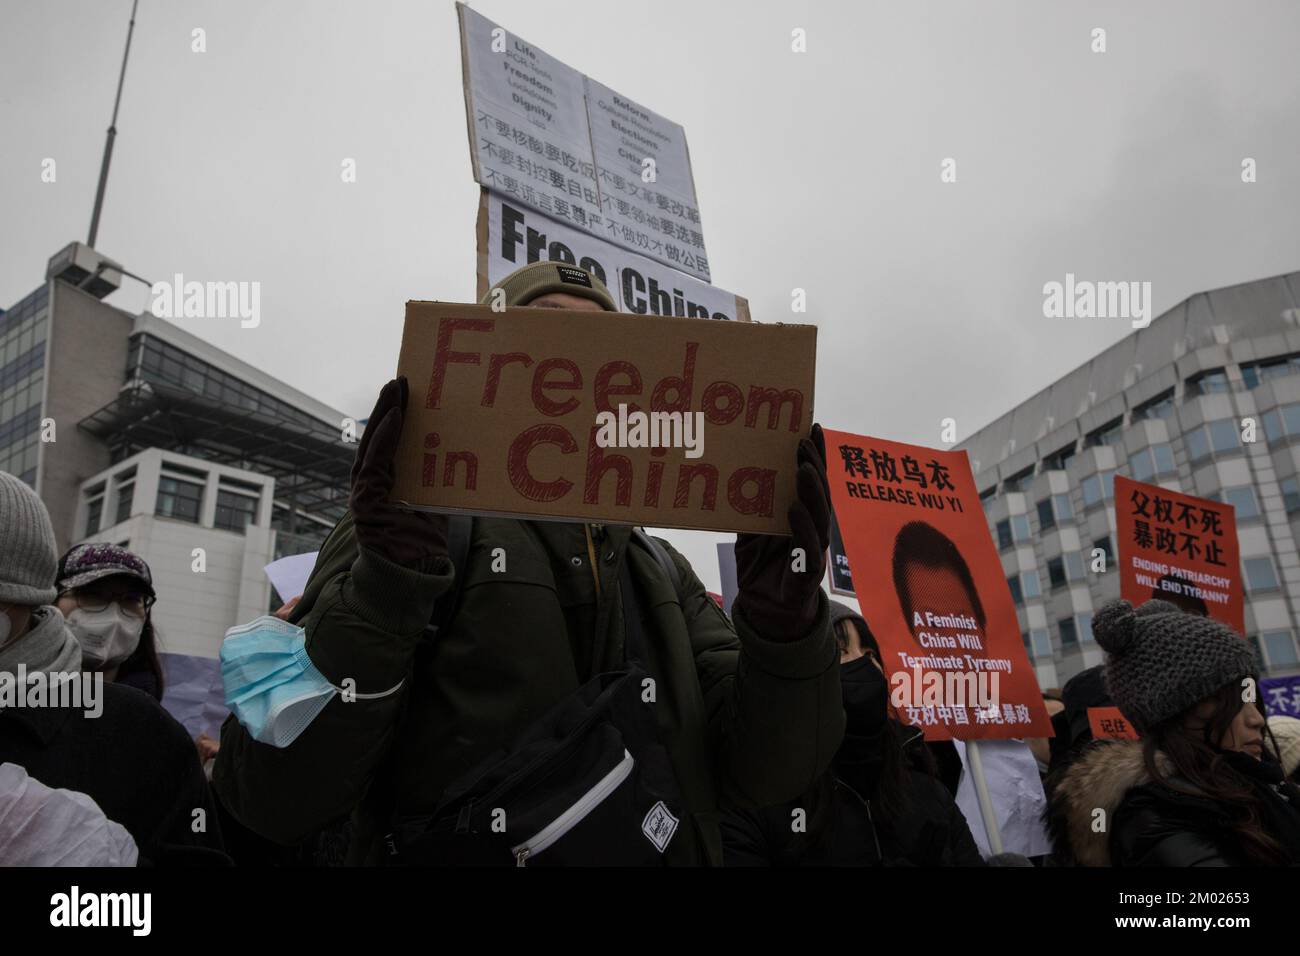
{"x":1109,"y":723}
{"x":511,"y":235}
{"x":841,"y":576}
{"x":558,"y":141}
{"x":1178,"y":548}
{"x":600,"y":416}
{"x":931,"y":588}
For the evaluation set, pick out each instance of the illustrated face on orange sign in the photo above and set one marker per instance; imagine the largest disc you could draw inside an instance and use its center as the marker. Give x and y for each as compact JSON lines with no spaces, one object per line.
{"x":929,"y":580}
{"x":934,"y":585}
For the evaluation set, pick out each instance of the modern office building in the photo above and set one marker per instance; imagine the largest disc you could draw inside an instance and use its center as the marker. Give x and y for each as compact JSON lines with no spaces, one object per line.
{"x":1169,"y":404}
{"x":135,"y":431}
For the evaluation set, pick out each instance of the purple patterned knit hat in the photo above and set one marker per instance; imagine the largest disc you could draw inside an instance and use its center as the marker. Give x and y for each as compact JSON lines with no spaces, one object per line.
{"x":98,"y":559}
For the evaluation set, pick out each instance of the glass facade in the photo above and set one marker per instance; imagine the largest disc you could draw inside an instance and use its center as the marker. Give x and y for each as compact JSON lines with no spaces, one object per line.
{"x":1071,"y":498}
{"x":24,"y":331}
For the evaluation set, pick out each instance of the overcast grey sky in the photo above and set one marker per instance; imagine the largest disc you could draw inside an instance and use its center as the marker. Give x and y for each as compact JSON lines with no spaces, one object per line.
{"x":817,"y":170}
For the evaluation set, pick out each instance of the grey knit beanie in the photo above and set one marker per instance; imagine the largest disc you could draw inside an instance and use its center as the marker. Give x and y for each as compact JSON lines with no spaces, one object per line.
{"x":1160,"y":660}
{"x":28,"y":559}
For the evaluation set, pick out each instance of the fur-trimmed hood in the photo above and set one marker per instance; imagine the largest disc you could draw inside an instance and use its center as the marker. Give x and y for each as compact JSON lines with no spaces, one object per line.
{"x":1099,"y":779}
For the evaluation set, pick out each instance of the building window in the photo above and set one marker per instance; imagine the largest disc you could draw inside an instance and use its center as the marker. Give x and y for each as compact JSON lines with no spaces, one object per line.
{"x":1215,"y":436}
{"x":1282,"y":421}
{"x":1242,"y":500}
{"x":1104,"y":545}
{"x":125,"y":499}
{"x":1108,"y":434}
{"x":1207,"y":383}
{"x":1069,"y":635}
{"x":1056,"y":573}
{"x":1073,"y":566}
{"x":1257,"y":373}
{"x":1030,"y":583}
{"x":1290,"y":494}
{"x":1279,"y":649}
{"x":94,"y":511}
{"x":1058,"y":460}
{"x":1162,"y":406}
{"x":1012,"y":530}
{"x":1054,"y":509}
{"x":1040,"y":643}
{"x":1149,"y":462}
{"x":1098,"y":488}
{"x":1260,"y":575}
{"x":1013,"y":582}
{"x":1019,"y":480}
{"x":179,"y":499}
{"x":1084,"y":625}
{"x":234,"y":511}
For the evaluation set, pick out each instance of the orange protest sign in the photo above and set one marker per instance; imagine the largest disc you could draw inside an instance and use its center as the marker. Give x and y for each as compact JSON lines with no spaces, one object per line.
{"x":1178,"y":548}
{"x":1108,"y":723}
{"x":932,"y":590}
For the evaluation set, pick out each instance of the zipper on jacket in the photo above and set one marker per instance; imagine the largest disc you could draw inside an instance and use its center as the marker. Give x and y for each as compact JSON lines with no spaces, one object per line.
{"x":571,"y":817}
{"x":871,"y":820}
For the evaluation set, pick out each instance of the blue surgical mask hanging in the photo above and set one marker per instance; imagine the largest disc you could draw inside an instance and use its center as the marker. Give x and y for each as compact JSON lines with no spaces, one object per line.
{"x":271,"y":684}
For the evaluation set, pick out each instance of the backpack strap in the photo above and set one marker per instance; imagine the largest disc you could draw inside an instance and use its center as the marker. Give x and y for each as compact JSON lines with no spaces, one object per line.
{"x":665,"y":561}
{"x":459,"y":529}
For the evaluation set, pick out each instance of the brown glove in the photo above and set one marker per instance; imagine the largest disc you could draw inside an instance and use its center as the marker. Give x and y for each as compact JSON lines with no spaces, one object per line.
{"x":413,"y":539}
{"x":778,"y":601}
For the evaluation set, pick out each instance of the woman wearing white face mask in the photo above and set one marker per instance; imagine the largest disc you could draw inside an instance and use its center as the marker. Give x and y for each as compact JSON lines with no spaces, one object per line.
{"x":105,"y":593}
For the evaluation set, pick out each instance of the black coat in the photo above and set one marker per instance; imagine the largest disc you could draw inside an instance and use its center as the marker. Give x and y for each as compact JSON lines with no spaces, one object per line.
{"x":842,"y":826}
{"x":1151,"y":824}
{"x":134,"y":760}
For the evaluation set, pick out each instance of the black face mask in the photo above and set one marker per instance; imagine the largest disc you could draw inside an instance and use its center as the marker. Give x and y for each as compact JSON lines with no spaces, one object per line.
{"x":865,"y":694}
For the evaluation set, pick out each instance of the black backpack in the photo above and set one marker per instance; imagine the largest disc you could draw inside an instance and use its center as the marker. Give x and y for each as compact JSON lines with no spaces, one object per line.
{"x":590,"y":783}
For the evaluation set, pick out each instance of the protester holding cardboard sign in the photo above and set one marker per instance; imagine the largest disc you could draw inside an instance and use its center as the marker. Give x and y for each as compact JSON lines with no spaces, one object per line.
{"x":528,"y":618}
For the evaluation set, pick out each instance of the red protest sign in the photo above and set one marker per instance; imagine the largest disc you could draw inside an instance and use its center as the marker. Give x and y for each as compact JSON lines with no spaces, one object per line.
{"x":1178,"y":548}
{"x":1108,"y":723}
{"x":932,"y":590}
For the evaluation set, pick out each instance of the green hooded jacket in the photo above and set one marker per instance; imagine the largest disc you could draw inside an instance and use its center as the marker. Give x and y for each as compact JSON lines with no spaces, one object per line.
{"x":745,"y":720}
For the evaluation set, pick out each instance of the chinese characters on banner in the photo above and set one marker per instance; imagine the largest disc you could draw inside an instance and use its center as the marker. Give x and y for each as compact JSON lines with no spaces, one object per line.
{"x":1180,"y":549}
{"x":1281,"y":695}
{"x":932,"y":590}
{"x":553,"y":139}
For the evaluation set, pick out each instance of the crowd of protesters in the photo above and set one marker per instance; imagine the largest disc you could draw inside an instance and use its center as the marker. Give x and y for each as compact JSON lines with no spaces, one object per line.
{"x":419,"y":704}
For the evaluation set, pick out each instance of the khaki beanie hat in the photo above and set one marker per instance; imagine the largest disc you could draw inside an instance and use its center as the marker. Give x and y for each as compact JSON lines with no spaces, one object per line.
{"x":1286,"y":730}
{"x":28,"y":559}
{"x":538,"y":278}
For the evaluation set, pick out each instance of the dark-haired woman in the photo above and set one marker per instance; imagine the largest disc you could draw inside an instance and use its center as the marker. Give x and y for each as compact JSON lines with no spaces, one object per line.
{"x":105,"y":594}
{"x":880,"y":804}
{"x":1203,"y":787}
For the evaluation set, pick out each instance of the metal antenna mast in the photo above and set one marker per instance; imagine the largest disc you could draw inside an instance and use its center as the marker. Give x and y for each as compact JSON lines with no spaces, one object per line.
{"x":112,"y":134}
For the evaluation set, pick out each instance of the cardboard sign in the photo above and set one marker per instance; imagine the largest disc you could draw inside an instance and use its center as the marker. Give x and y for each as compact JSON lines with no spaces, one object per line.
{"x":1178,"y":548}
{"x":511,"y":235}
{"x":598,"y":416}
{"x":558,"y":141}
{"x":1109,"y":723}
{"x":932,"y":590}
